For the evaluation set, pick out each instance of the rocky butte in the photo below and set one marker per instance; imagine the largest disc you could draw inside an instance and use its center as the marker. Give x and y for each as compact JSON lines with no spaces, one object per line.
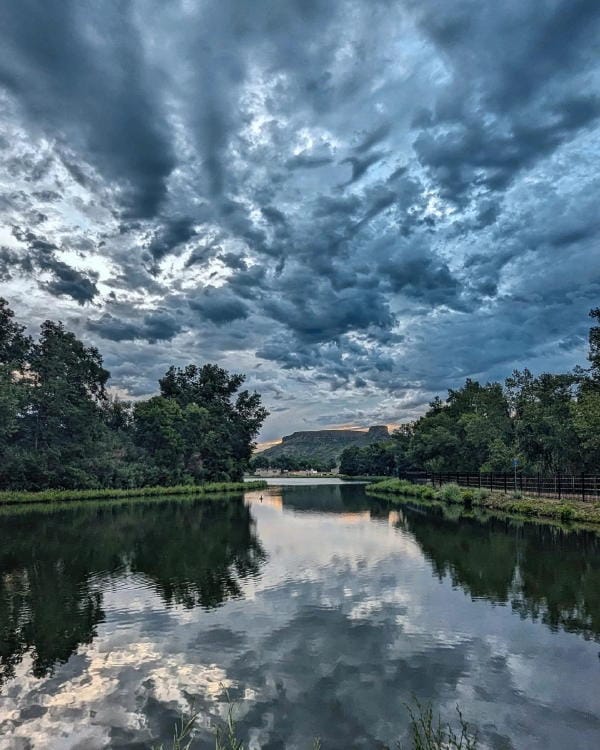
{"x":326,"y":444}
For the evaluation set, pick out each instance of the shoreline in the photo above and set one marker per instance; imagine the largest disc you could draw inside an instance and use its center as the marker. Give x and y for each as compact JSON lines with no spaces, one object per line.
{"x":9,"y":497}
{"x":530,"y":507}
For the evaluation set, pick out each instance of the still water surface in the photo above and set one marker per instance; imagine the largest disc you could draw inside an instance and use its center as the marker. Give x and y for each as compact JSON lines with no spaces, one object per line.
{"x":320,"y":611}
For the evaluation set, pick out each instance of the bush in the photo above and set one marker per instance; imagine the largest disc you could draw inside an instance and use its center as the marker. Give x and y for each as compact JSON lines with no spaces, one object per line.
{"x":468,"y":496}
{"x":566,"y":512}
{"x":451,"y":493}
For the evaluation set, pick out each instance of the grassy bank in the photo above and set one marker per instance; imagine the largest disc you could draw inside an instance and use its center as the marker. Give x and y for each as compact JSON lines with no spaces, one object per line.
{"x":364,"y":478}
{"x":51,"y":496}
{"x":571,"y":510}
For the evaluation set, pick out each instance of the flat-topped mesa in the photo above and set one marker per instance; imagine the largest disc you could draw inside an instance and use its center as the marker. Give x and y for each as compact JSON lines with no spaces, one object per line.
{"x":377,"y":433}
{"x":326,"y":444}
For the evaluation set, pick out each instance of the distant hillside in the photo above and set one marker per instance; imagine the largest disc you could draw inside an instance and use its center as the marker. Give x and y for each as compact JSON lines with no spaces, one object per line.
{"x":325,"y":444}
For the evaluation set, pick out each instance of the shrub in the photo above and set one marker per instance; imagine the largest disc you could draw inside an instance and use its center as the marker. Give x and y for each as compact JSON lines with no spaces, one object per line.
{"x":468,"y":496}
{"x":451,"y":493}
{"x":566,"y":512}
{"x":525,"y":508}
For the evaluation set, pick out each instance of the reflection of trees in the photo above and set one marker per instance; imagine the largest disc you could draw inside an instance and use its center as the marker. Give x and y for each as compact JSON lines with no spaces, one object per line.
{"x":53,"y":566}
{"x":330,"y":498}
{"x":200,"y":560}
{"x":543,"y":571}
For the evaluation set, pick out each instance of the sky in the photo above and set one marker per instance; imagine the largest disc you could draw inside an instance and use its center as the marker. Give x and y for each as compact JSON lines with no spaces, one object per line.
{"x":356,"y":203}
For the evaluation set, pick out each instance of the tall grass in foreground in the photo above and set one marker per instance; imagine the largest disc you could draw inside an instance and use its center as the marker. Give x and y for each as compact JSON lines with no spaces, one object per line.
{"x":427,"y":731}
{"x":49,"y":496}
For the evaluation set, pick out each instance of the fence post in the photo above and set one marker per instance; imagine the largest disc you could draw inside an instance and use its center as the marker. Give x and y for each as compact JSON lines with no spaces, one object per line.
{"x":479,"y":480}
{"x":505,"y":483}
{"x":582,"y":487}
{"x":558,"y":483}
{"x":521,"y":482}
{"x":539,"y":489}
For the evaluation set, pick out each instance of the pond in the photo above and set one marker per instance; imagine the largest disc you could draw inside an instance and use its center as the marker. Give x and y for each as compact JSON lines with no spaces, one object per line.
{"x":316,"y":611}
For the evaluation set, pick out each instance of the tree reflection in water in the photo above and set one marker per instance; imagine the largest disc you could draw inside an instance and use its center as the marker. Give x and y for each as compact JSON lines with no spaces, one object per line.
{"x":55,"y":562}
{"x":543,"y":571}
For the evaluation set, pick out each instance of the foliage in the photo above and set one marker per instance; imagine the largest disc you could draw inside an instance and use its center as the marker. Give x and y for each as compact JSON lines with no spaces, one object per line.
{"x":59,"y":428}
{"x":378,"y":459}
{"x":451,"y":493}
{"x":192,"y":551}
{"x":549,"y":422}
{"x":291,"y":462}
{"x":219,"y":421}
{"x":514,"y":502}
{"x":55,"y":496}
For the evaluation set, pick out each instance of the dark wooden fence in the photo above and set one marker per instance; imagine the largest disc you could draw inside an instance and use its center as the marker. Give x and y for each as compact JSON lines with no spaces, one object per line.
{"x":584,"y":487}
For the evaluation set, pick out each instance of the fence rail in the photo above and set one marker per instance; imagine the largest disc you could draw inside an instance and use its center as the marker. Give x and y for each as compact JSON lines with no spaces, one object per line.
{"x":584,"y":487}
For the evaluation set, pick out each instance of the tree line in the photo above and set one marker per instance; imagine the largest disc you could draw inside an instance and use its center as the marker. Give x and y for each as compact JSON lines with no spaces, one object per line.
{"x":59,"y":427}
{"x":549,"y":423}
{"x":292,"y":463}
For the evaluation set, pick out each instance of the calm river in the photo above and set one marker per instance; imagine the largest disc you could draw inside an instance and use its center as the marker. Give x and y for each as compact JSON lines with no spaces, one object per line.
{"x":320,"y":612}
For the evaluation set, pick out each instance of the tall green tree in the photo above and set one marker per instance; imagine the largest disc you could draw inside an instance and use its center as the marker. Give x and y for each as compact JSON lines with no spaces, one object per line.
{"x":158,"y":428}
{"x":460,"y":433}
{"x":542,"y":411}
{"x":586,"y":409}
{"x":62,"y":425}
{"x":227,"y":418}
{"x":14,"y":349}
{"x":376,"y":460}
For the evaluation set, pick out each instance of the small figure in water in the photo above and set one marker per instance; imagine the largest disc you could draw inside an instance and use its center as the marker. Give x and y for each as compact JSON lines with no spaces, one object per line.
{"x":261,"y":498}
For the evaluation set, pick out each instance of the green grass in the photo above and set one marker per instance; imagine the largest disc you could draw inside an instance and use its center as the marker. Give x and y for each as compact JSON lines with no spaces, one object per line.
{"x":515,"y":502}
{"x":51,"y":496}
{"x":428,"y":732}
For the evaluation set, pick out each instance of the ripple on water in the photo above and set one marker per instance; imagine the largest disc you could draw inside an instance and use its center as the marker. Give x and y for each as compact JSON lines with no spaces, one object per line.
{"x":321,"y":612}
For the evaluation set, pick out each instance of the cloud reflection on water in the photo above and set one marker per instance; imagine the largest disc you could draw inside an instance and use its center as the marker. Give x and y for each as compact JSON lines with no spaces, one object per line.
{"x":351,"y":615}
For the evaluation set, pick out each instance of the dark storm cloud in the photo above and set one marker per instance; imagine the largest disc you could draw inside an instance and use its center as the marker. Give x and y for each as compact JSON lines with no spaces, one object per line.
{"x":510,"y":98}
{"x":159,"y":325}
{"x":422,"y":275}
{"x":9,"y":263}
{"x":307,"y":161}
{"x":80,"y":73}
{"x":373,"y":138}
{"x":476,"y":155}
{"x":173,"y":233}
{"x":41,"y":256}
{"x":360,"y":165}
{"x":364,"y":194}
{"x":69,"y":282}
{"x":219,"y":306}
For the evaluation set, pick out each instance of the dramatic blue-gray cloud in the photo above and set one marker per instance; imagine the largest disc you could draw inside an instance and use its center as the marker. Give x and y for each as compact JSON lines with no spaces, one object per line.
{"x":357,"y":203}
